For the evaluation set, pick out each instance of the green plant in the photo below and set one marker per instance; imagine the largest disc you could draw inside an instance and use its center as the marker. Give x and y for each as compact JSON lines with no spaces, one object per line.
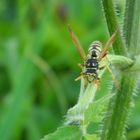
{"x":119,"y":107}
{"x":116,"y":103}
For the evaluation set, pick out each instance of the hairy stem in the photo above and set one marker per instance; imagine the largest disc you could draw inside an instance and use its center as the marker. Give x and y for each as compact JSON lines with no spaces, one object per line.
{"x":118,"y":110}
{"x":112,"y":23}
{"x":131,"y":27}
{"x":128,"y":24}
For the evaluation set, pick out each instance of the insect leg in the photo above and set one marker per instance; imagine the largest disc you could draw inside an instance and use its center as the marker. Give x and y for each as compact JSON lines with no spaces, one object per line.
{"x":113,"y":77}
{"x":108,"y":59}
{"x":100,"y":68}
{"x":79,"y":77}
{"x":97,"y":82}
{"x":110,"y":71}
{"x":81,"y":66}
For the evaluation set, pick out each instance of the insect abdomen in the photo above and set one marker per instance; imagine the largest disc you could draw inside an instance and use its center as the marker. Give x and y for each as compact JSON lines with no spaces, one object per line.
{"x":91,"y":67}
{"x":95,"y":49}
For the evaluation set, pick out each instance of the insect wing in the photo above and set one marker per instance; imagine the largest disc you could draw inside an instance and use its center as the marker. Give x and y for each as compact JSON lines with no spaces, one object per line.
{"x":77,"y":43}
{"x":108,"y":44}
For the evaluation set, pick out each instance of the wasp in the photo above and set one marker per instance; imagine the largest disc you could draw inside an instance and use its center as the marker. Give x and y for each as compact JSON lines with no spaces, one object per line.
{"x":91,"y":65}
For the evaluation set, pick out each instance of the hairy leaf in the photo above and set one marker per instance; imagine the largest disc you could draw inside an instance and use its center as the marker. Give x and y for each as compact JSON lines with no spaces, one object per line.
{"x":65,"y":133}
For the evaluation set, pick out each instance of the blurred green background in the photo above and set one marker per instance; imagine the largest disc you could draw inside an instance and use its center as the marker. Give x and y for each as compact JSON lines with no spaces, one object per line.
{"x":38,"y":63}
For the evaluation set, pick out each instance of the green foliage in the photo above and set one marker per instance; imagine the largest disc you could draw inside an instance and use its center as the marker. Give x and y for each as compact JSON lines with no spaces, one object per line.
{"x":65,"y":133}
{"x":91,"y":137}
{"x":38,"y":66}
{"x":114,"y":127}
{"x":94,"y":112}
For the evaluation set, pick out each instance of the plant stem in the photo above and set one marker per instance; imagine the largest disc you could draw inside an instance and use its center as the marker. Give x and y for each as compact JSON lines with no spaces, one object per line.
{"x":118,"y":110}
{"x":128,"y":24}
{"x":131,"y":27}
{"x":114,"y":127}
{"x":112,"y":23}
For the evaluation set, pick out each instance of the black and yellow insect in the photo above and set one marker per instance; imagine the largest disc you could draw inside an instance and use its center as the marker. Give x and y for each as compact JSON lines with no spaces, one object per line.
{"x":92,"y":60}
{"x":91,"y":64}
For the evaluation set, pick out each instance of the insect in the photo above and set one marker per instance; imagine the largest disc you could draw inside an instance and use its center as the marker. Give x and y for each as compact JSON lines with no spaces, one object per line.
{"x":92,"y":60}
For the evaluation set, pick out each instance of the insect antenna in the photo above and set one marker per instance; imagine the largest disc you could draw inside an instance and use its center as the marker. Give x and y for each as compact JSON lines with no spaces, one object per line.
{"x":77,"y":43}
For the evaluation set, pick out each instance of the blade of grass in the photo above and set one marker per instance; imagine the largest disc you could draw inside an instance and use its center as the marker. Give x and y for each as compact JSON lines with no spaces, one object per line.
{"x":53,"y":80}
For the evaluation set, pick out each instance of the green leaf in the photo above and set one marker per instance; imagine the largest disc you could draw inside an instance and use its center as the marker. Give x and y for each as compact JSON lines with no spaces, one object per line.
{"x":65,"y":133}
{"x":91,"y":137}
{"x":95,"y":110}
{"x":136,"y":66}
{"x":120,"y":61}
